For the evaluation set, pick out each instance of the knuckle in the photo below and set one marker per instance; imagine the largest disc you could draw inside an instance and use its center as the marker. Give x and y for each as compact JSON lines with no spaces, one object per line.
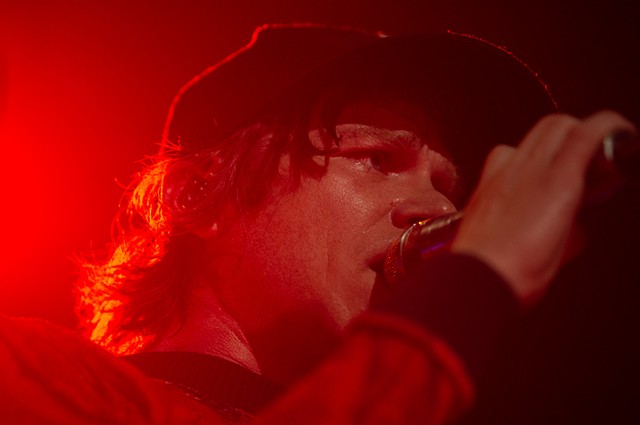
{"x":578,"y":133}
{"x":499,"y":156}
{"x":557,"y":120}
{"x":607,"y":114}
{"x":499,"y":153}
{"x":611,"y":118}
{"x":500,"y":150}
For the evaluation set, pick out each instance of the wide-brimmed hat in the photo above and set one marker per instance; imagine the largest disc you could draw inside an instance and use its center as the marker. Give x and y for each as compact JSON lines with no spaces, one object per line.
{"x":483,"y":94}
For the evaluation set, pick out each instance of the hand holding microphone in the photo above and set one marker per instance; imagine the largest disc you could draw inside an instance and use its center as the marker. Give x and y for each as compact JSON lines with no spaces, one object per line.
{"x":521,"y":216}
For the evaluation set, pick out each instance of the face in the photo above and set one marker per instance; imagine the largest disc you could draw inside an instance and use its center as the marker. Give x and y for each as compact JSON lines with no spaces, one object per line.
{"x":303,"y":266}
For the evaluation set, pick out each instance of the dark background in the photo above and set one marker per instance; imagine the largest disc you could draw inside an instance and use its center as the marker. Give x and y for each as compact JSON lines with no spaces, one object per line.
{"x":84,"y":88}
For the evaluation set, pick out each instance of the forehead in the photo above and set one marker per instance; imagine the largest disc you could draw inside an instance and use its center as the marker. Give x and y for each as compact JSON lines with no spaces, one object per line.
{"x":393,"y":114}
{"x":390,"y":113}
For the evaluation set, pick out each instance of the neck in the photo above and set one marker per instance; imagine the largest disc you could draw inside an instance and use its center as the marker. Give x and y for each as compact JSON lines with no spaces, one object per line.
{"x":280,"y":350}
{"x":209,"y":329}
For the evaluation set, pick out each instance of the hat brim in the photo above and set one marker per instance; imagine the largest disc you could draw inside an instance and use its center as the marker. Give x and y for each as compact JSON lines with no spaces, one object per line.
{"x":483,"y":94}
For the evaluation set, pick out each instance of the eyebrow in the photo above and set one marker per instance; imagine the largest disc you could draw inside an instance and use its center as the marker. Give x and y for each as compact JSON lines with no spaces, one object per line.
{"x":364,"y":136}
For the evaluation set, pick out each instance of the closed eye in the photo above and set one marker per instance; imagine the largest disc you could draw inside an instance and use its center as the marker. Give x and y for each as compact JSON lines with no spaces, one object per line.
{"x":385,"y":161}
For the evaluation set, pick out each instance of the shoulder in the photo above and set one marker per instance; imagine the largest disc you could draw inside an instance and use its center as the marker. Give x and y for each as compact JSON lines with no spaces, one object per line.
{"x":53,"y":375}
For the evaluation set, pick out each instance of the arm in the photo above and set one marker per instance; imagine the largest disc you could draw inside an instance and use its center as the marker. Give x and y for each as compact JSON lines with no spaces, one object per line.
{"x":408,"y":361}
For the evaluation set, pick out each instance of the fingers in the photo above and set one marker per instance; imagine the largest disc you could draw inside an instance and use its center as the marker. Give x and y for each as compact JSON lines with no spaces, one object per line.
{"x":498,"y":158}
{"x":520,"y":217}
{"x":583,"y":141}
{"x":560,"y":148}
{"x":546,"y":138}
{"x":565,"y":141}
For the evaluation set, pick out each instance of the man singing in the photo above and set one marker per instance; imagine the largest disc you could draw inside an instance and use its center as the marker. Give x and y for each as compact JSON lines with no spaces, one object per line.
{"x":247,"y":271}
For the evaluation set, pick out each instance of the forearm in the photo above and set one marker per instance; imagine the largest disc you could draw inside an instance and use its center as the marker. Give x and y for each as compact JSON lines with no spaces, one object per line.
{"x":389,"y":371}
{"x":413,"y":359}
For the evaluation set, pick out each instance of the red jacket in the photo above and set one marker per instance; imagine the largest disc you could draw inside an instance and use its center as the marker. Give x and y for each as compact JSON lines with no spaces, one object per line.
{"x":392,"y":367}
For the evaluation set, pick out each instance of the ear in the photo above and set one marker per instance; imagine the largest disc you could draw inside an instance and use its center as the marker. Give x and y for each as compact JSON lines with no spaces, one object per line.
{"x":215,"y":226}
{"x":207,"y":232}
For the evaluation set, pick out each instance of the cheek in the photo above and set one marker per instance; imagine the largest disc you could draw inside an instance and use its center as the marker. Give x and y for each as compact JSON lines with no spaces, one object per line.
{"x":355,"y":201}
{"x":354,"y":227}
{"x":356,"y":218}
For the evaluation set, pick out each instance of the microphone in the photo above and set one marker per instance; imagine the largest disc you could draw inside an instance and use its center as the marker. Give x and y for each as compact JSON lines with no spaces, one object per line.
{"x":617,"y":163}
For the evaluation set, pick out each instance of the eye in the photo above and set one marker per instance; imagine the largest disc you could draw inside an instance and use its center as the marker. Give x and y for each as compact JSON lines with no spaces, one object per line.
{"x":379,"y":161}
{"x":382,"y":161}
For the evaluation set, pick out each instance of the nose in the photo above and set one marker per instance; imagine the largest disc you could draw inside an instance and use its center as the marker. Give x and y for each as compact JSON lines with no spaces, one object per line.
{"x":417,"y":199}
{"x":411,"y":209}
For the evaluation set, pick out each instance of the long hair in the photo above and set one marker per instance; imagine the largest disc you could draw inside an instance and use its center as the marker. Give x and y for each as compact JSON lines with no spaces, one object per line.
{"x":140,"y":292}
